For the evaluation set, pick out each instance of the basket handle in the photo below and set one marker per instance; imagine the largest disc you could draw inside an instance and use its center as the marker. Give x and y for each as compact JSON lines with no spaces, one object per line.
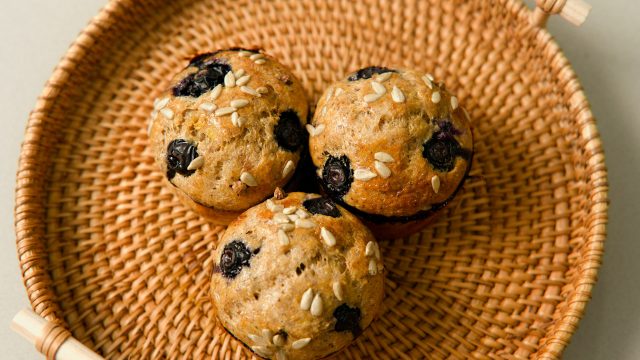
{"x":50,"y":339}
{"x":574,"y":11}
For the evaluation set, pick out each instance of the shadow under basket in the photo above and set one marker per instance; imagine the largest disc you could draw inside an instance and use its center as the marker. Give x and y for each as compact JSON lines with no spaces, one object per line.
{"x":108,"y":252}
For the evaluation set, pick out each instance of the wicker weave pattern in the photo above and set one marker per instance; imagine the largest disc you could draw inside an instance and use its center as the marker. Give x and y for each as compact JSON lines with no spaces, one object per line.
{"x":107,"y":250}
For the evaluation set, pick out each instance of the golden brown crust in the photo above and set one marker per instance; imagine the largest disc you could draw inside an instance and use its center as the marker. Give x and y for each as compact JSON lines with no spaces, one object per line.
{"x":267,"y":293}
{"x":398,"y":123}
{"x":230,"y":150}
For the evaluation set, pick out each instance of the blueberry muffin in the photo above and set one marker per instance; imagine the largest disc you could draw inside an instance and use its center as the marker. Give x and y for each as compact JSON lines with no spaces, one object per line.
{"x":229,"y":130}
{"x":297,"y":278}
{"x":392,"y":146}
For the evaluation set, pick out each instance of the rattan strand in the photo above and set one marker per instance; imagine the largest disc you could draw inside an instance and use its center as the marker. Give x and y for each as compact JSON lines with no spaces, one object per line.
{"x":108,"y":251}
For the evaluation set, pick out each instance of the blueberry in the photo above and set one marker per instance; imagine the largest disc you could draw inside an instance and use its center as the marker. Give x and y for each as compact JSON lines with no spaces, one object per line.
{"x":234,"y":256}
{"x":322,"y":206}
{"x":441,"y":153}
{"x":442,"y":148}
{"x":210,"y":73}
{"x":180,"y":153}
{"x":368,"y":72}
{"x":337,"y":176}
{"x":288,"y":131}
{"x":347,"y":319}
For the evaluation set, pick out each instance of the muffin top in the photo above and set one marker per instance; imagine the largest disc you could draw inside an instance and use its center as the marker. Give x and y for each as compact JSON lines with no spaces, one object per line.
{"x":297,"y":278}
{"x":230,"y":128}
{"x":390,"y":144}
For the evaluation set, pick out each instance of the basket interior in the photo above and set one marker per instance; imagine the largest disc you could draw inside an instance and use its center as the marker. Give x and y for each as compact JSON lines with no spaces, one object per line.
{"x":503,"y":274}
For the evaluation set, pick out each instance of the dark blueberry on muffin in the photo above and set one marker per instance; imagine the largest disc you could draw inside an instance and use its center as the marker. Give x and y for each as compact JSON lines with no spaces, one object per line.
{"x":234,"y":256}
{"x":368,"y":72}
{"x":288,"y":131}
{"x":347,"y":319}
{"x":441,"y":153}
{"x":322,"y":206}
{"x":337,"y":175}
{"x":210,"y":74}
{"x":180,"y":153}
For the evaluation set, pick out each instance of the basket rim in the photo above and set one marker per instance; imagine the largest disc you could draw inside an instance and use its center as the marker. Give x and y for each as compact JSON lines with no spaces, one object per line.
{"x":29,"y":194}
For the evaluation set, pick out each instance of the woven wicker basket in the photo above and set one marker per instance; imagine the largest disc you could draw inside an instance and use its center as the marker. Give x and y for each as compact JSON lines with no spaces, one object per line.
{"x":108,"y":252}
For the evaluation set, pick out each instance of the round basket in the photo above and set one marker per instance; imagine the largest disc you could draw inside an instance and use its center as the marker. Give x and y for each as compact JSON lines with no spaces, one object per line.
{"x":109,"y":253}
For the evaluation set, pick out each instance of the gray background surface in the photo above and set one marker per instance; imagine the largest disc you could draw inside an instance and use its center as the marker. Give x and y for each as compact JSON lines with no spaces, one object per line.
{"x":34,"y":35}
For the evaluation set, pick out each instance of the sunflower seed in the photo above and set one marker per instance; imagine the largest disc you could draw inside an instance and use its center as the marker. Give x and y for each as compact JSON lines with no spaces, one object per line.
{"x":262,"y":90}
{"x":262,"y":350}
{"x":339,"y":91}
{"x":288,"y":168}
{"x":316,"y":306}
{"x":307,"y":299}
{"x":430,"y":77}
{"x":260,"y":61}
{"x":238,"y":120}
{"x":373,"y":267}
{"x":239,"y":103}
{"x":196,"y":163}
{"x":383,"y":77}
{"x":215,"y":93}
{"x":229,"y":80}
{"x":238,"y":74}
{"x":255,"y":338}
{"x":397,"y":95}
{"x":287,"y":227}
{"x":159,"y":104}
{"x":305,"y":224}
{"x":378,"y":88}
{"x":370,"y":249}
{"x":248,"y":90}
{"x":248,"y":179}
{"x":369,"y":98}
{"x":281,"y":218}
{"x":435,"y":97}
{"x":244,"y":53}
{"x":363,"y":174}
{"x":328,"y":237}
{"x":289,"y":210}
{"x":273,"y":206}
{"x":427,"y":81}
{"x":302,"y":214}
{"x":300,"y":343}
{"x":256,"y":57}
{"x":243,"y":80}
{"x":168,"y":113}
{"x":315,"y":130}
{"x":337,"y":290}
{"x":278,"y":340}
{"x":207,"y":107}
{"x":329,"y":94}
{"x":454,"y":102}
{"x":224,"y":111}
{"x":293,"y":217}
{"x":382,"y":169}
{"x":282,"y":237}
{"x":383,"y":156}
{"x":319,"y":173}
{"x":435,"y":183}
